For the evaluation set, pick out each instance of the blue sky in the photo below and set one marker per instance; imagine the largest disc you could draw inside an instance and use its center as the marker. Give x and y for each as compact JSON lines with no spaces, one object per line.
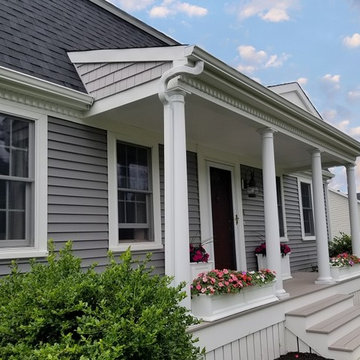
{"x":314,"y":42}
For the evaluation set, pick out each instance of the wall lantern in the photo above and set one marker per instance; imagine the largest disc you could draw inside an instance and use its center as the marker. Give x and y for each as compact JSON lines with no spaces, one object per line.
{"x":250,"y":186}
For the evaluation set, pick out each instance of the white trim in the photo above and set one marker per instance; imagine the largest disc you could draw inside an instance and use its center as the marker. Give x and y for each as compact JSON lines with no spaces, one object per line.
{"x":307,"y":181}
{"x":285,"y":237}
{"x":130,"y":55}
{"x":39,"y":247}
{"x":112,"y":192}
{"x":31,"y":85}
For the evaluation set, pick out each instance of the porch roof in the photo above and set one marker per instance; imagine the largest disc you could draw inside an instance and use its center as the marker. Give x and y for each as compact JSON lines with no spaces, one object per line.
{"x":224,"y":108}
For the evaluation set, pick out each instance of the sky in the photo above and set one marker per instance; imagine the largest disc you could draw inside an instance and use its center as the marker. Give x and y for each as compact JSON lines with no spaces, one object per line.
{"x":314,"y":42}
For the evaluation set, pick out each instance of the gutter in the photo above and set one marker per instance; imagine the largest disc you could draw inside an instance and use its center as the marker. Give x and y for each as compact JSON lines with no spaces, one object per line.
{"x":46,"y":90}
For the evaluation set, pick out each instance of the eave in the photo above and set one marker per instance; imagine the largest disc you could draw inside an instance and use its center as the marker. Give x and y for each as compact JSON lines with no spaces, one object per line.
{"x":28,"y":85}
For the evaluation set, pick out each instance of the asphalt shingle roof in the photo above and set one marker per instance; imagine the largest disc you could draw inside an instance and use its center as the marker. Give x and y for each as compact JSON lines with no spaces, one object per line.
{"x":35,"y":36}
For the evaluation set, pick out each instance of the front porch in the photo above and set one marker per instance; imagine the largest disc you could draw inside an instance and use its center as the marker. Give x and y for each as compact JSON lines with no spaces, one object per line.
{"x":268,"y":331}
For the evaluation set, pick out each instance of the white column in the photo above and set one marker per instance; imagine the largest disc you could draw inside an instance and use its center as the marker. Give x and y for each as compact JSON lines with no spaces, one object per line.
{"x":324,"y":276}
{"x":272,"y":236}
{"x":177,"y":262}
{"x":353,"y":209}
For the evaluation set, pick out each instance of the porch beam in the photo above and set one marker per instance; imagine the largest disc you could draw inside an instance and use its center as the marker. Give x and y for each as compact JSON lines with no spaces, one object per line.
{"x":353,"y":209}
{"x":324,"y":276}
{"x":272,"y":234}
{"x":177,"y":262}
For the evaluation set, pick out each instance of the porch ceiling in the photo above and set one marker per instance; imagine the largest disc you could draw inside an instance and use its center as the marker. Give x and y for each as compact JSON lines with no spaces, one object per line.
{"x":212,"y":126}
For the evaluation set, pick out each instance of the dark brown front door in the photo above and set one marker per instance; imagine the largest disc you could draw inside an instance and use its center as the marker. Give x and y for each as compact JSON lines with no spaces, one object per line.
{"x":222,"y":218}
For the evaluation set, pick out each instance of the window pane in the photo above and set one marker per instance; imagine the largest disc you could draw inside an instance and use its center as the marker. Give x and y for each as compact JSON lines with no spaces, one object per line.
{"x":134,"y":234}
{"x":280,"y":209}
{"x":16,"y":225}
{"x":3,"y":192}
{"x":19,"y":163}
{"x":4,"y":160}
{"x":16,"y":195}
{"x":20,"y":134}
{"x":2,"y":225}
{"x":306,"y":195}
{"x":4,"y":130}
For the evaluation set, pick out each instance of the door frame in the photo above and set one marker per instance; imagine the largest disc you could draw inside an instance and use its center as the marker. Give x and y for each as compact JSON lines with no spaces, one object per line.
{"x":204,"y":164}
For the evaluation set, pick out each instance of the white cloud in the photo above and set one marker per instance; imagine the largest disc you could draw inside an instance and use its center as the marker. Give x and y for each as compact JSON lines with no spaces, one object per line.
{"x":276,"y":60}
{"x":171,"y":7}
{"x":302,"y":80}
{"x":272,"y":11}
{"x":249,"y":53}
{"x":132,"y":5}
{"x":353,"y":95}
{"x":159,"y":12}
{"x":191,"y":10}
{"x":352,"y":41}
{"x":331,"y":82}
{"x":252,"y":59}
{"x":247,"y":69}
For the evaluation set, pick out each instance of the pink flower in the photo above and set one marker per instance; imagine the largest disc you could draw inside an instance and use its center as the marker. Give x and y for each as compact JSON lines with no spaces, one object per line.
{"x":225,"y":271}
{"x":221,"y":284}
{"x":198,"y":287}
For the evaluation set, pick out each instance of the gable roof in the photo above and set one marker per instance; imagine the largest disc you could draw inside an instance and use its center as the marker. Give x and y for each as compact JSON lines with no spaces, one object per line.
{"x":293,"y":92}
{"x":35,"y":35}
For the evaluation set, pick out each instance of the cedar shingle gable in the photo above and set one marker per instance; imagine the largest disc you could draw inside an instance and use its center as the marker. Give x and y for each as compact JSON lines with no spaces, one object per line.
{"x":35,"y":36}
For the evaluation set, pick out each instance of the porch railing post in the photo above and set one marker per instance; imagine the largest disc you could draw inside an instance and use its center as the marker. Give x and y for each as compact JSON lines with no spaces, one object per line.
{"x":353,"y":209}
{"x":272,"y":235}
{"x":177,"y":262}
{"x":324,"y":276}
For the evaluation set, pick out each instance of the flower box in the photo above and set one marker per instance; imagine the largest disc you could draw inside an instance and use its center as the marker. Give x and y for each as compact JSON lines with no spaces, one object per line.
{"x":200,"y":267}
{"x":285,"y":265}
{"x":339,"y":273}
{"x":214,"y":307}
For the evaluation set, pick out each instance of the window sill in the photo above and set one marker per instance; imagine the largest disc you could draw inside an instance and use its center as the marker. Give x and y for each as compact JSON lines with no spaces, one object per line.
{"x":137,"y":246}
{"x":284,"y":239}
{"x":21,"y":252}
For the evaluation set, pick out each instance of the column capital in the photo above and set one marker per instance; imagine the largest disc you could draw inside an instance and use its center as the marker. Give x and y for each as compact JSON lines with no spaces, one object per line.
{"x":350,"y":166}
{"x":266,"y":131}
{"x":176,"y":94}
{"x":316,"y":152}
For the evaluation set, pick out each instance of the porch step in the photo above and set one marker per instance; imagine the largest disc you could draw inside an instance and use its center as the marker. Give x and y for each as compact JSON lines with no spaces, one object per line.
{"x":320,"y":305}
{"x":329,"y":326}
{"x":341,"y":319}
{"x":348,"y":343}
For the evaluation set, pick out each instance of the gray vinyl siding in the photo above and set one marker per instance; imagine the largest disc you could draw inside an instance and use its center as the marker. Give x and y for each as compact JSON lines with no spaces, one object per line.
{"x":303,"y":252}
{"x":77,"y":192}
{"x":102,"y":80}
{"x":253,"y":213}
{"x":193,"y":195}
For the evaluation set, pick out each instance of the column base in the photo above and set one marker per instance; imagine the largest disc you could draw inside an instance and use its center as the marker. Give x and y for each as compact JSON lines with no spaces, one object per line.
{"x":281,"y":294}
{"x":324,"y":280}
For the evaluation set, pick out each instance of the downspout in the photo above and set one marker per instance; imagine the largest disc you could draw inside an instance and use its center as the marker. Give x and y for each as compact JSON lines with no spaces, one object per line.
{"x":174,"y":134}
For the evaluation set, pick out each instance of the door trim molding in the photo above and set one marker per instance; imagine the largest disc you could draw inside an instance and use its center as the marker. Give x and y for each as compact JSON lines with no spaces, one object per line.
{"x":204,"y":164}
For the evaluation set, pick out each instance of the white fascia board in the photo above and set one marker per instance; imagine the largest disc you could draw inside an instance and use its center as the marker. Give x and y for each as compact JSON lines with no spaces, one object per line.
{"x":165,"y":53}
{"x":43,"y":89}
{"x":134,"y":21}
{"x":296,"y":116}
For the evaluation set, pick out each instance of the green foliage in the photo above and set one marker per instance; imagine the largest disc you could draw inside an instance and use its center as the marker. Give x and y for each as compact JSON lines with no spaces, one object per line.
{"x":59,"y":311}
{"x":340,"y":244}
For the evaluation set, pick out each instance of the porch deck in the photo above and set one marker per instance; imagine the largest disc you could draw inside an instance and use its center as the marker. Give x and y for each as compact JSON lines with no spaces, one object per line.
{"x":303,"y":283}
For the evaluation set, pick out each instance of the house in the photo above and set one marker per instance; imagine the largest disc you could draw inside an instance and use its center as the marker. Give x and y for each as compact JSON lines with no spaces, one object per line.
{"x":125,"y":137}
{"x":339,"y":212}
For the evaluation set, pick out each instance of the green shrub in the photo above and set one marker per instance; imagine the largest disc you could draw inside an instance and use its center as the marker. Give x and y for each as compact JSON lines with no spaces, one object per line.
{"x":59,"y":311}
{"x":340,"y":244}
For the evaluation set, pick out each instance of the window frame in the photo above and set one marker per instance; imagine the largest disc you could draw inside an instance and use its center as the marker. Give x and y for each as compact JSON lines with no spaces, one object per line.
{"x":38,"y":176}
{"x":155,"y":226}
{"x":309,"y":182}
{"x":283,"y":238}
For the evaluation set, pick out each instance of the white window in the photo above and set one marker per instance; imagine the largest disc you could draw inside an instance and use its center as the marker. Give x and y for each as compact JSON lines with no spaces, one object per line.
{"x":23,"y":183}
{"x":307,"y":216}
{"x":134,"y":194}
{"x":16,"y":181}
{"x":281,"y":208}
